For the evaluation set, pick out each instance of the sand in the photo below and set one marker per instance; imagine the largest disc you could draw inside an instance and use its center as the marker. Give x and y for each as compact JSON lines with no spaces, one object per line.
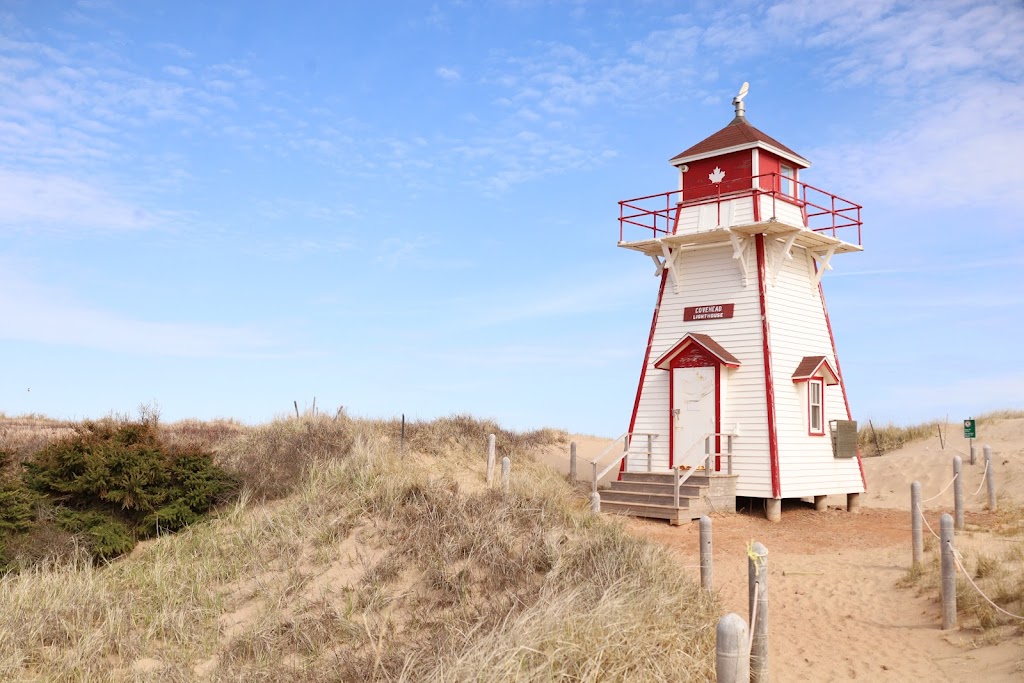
{"x":836,"y":612}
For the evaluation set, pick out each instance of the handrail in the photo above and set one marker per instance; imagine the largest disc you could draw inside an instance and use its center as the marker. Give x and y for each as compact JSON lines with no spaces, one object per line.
{"x":680,"y":480}
{"x":839,"y":213}
{"x":626,"y":438}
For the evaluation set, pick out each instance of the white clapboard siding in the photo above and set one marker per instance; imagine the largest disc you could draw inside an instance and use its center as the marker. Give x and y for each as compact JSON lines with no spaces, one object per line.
{"x":710,"y":276}
{"x":798,"y":328}
{"x":706,"y":216}
{"x":783,"y":211}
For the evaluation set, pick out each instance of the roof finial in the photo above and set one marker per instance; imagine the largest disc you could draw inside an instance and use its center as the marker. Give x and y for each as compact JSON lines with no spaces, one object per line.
{"x":737,"y":101}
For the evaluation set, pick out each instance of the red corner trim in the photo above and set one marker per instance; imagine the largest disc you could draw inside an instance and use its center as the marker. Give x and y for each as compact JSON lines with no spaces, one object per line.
{"x":647,"y":358}
{"x":842,"y":382}
{"x":769,"y":386}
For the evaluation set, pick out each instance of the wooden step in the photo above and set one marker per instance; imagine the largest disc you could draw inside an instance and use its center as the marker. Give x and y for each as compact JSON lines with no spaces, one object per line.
{"x":673,"y":515}
{"x":645,"y":498}
{"x":651,"y":487}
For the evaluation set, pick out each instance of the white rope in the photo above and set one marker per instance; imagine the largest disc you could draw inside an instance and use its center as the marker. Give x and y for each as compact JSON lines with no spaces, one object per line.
{"x":984,"y":476}
{"x":943,"y":490}
{"x":956,"y":558}
{"x":925,"y":520}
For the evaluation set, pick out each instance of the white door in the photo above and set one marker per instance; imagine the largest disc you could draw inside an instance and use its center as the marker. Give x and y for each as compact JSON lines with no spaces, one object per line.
{"x":693,"y":413}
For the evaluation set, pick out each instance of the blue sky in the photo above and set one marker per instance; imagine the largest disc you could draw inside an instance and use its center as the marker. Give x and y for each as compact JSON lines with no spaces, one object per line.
{"x":404,"y":207}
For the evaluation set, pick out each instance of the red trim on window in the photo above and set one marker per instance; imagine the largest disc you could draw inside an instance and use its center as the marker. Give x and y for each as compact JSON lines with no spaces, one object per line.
{"x":647,"y":357}
{"x":769,"y":387}
{"x":820,"y":381}
{"x":839,"y":371}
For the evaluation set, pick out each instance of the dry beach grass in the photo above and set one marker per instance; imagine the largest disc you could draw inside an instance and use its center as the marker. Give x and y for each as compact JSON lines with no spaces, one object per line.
{"x":346,"y":559}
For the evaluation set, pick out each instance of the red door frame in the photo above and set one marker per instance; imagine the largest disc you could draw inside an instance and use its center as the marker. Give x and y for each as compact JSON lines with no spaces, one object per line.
{"x":694,"y":356}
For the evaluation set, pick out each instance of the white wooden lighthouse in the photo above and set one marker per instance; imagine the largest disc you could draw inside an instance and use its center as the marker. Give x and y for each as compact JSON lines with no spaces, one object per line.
{"x":741,"y":361}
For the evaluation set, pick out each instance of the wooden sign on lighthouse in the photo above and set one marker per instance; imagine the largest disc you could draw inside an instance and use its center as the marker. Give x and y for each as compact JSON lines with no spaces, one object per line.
{"x":741,"y":376}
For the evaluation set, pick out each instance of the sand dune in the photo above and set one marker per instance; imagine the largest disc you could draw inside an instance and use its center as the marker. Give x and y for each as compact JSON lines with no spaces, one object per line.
{"x":837,"y":613}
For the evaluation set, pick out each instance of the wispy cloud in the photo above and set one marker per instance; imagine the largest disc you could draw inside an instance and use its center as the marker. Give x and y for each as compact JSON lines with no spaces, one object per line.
{"x":40,"y":315}
{"x":57,"y":202}
{"x":449,"y":74}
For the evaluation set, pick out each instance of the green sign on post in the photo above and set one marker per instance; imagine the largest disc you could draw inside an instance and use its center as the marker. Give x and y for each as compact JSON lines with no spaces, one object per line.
{"x":969,"y":429}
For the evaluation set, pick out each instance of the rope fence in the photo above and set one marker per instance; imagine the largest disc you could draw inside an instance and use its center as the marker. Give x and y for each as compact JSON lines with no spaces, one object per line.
{"x":957,"y":558}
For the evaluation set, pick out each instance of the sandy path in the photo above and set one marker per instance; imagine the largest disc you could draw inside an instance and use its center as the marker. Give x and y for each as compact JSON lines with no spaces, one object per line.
{"x":836,"y":613}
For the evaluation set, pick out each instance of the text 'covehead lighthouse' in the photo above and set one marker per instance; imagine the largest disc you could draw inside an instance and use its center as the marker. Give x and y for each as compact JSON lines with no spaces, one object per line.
{"x":741,"y":369}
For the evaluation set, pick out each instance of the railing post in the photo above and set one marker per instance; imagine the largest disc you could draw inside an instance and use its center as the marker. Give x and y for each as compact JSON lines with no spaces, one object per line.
{"x":625,"y":450}
{"x":948,"y":574}
{"x":916,"y":529}
{"x":757,"y":588}
{"x":650,"y":451}
{"x":595,"y":503}
{"x":706,"y":568}
{"x":572,"y":463}
{"x":958,"y":492}
{"x":675,"y":487}
{"x":594,"y":466}
{"x":728,"y":441}
{"x":990,"y":478}
{"x":732,"y":662}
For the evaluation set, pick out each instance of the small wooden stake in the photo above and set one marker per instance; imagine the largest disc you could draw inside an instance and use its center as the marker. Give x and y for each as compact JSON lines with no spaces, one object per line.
{"x":490,"y":458}
{"x":595,"y":503}
{"x":958,"y":492}
{"x":948,"y":574}
{"x":990,"y":478}
{"x":706,"y":568}
{"x":732,"y":662}
{"x":506,"y":471}
{"x":916,"y":527}
{"x":572,"y":463}
{"x":296,"y":409}
{"x":757,"y":578}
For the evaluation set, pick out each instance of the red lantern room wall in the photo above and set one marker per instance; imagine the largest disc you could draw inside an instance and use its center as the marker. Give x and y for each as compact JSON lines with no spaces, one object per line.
{"x":741,"y":348}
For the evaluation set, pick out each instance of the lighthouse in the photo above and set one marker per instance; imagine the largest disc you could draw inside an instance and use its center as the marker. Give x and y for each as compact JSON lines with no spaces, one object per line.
{"x":741,"y":386}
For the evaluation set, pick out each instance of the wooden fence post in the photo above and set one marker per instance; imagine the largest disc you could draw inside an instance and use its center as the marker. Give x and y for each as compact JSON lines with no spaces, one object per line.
{"x":706,"y":567}
{"x":490,"y":458}
{"x":948,"y":574}
{"x":972,"y":451}
{"x":732,"y":661}
{"x":916,"y":516}
{"x":595,"y":503}
{"x":990,"y":478}
{"x":572,"y":463}
{"x":506,"y":473}
{"x":958,"y":492}
{"x":593,"y":489}
{"x":757,"y":588}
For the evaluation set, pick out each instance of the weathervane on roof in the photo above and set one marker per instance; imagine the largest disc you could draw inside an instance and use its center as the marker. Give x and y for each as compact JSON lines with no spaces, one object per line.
{"x":738,"y":100}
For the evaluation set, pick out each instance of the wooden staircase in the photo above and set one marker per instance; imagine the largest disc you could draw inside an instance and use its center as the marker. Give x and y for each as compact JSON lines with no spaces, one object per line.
{"x":649,"y":494}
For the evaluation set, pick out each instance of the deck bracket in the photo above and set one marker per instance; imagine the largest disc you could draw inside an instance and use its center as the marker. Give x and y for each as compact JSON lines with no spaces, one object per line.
{"x":780,"y":256}
{"x":824,"y":263}
{"x":659,"y":265}
{"x":669,"y":263}
{"x":741,"y":256}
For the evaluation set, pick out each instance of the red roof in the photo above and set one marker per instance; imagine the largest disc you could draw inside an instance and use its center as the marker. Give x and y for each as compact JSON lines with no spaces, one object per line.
{"x":737,"y":134}
{"x":815,"y":366}
{"x":702,"y":340}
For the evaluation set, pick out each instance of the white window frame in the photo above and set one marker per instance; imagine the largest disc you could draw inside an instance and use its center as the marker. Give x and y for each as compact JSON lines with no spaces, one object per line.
{"x":787,"y":180}
{"x":819,"y":429}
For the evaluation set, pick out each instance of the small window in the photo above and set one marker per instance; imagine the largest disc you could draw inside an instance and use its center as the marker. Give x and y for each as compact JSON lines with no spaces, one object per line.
{"x":816,"y":407}
{"x":786,"y":183}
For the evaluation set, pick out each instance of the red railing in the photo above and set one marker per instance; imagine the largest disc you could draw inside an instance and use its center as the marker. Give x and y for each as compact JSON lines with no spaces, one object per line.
{"x":821,"y":211}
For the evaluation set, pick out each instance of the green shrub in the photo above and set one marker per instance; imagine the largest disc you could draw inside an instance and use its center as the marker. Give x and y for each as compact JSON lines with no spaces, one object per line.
{"x":113,"y":482}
